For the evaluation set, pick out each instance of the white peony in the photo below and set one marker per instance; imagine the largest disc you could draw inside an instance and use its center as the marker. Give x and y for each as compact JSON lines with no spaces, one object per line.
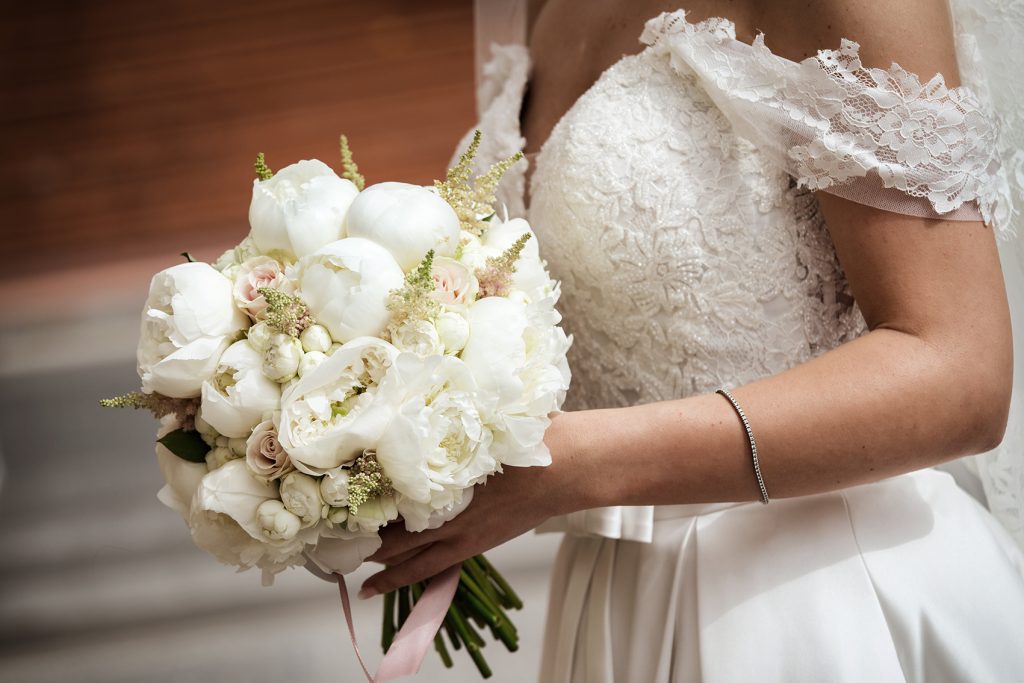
{"x":334,"y":488}
{"x":181,"y":477}
{"x":300,"y":209}
{"x":453,"y":331}
{"x":419,"y":337}
{"x":346,"y":286}
{"x":310,"y":361}
{"x":343,"y":551}
{"x":316,"y":338}
{"x":437,"y":443}
{"x":188,"y":321}
{"x":517,"y":354}
{"x":321,"y":424}
{"x":279,"y":523}
{"x":408,"y":220}
{"x":300,"y":493}
{"x":373,"y":514}
{"x":225,"y":520}
{"x":281,"y":357}
{"x":530,"y":277}
{"x":235,"y":399}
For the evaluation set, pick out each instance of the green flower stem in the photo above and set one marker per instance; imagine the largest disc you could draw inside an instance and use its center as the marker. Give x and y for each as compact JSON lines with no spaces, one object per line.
{"x":453,"y":636}
{"x":387,"y":634}
{"x":477,"y":592}
{"x":501,"y":582}
{"x":471,"y":638}
{"x":498,"y":623}
{"x":403,"y":605}
{"x":481,"y":579}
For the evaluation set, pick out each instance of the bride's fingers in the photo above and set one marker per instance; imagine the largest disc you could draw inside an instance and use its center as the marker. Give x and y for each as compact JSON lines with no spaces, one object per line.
{"x":395,"y":541}
{"x":421,"y":567}
{"x":407,"y":555}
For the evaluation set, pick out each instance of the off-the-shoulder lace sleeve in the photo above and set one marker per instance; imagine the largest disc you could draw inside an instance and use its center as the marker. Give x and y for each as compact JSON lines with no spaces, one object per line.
{"x":877,"y":137}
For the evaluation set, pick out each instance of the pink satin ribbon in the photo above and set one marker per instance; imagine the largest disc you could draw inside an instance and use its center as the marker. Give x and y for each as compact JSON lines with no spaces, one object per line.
{"x":409,"y":647}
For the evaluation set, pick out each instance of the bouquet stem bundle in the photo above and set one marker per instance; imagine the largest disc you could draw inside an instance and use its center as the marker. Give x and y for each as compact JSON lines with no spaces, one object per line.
{"x":481,"y":601}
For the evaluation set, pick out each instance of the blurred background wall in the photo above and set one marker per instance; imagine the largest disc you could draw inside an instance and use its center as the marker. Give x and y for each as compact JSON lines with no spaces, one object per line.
{"x":127,"y":135}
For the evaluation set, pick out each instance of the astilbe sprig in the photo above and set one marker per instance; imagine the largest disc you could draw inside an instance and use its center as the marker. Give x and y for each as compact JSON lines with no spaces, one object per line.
{"x":413,"y":301}
{"x":263,"y":171}
{"x":286,"y":313}
{"x":349,"y":169}
{"x":495,"y":277}
{"x":366,"y":481}
{"x":184,"y":409}
{"x":473,"y":199}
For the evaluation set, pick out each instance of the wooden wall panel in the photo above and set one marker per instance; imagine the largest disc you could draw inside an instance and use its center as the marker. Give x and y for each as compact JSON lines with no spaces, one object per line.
{"x":129,"y":128}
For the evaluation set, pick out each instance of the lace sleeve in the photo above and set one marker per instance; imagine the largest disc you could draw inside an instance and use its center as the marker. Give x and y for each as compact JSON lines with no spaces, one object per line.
{"x":877,"y":137}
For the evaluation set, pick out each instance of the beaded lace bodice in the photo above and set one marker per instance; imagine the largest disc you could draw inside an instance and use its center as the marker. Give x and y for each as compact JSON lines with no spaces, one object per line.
{"x":674,"y":201}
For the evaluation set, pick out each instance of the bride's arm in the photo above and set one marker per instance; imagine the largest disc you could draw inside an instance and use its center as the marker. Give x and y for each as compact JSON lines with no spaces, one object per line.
{"x":930,"y":381}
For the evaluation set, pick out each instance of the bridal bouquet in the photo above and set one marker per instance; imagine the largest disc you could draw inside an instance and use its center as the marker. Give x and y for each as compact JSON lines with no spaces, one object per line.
{"x":365,"y":356}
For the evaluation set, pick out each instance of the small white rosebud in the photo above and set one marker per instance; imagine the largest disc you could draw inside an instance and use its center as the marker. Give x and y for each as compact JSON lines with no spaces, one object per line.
{"x":311,"y":360}
{"x":259,"y":336}
{"x":334,"y":488}
{"x":453,"y":330}
{"x":208,"y":433}
{"x":337,"y":515}
{"x":279,"y":524}
{"x":281,"y":358}
{"x":237,"y":446}
{"x":300,"y":493}
{"x":218,"y":456}
{"x":315,"y":338}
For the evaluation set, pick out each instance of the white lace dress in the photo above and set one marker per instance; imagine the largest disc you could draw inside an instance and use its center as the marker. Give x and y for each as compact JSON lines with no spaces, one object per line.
{"x":690,"y":259}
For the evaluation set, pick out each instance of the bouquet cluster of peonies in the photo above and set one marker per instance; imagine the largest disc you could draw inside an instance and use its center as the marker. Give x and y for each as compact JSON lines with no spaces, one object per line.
{"x":362,"y":356}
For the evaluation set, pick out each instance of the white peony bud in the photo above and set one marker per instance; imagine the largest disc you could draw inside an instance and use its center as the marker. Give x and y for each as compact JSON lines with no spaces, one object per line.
{"x":235,"y":398}
{"x":218,"y":456}
{"x":315,"y":338}
{"x":278,"y":523}
{"x":346,"y":286}
{"x":300,"y":209}
{"x":337,"y":516}
{"x":259,"y":336}
{"x":188,"y":321}
{"x":300,"y":493}
{"x":407,"y":220}
{"x":310,"y":361}
{"x":453,"y":331}
{"x":419,"y":337}
{"x":334,"y":488}
{"x":282,"y":357}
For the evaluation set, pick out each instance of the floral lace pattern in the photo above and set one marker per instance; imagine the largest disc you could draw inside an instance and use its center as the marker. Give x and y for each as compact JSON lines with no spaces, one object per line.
{"x":687,"y":259}
{"x":829,"y":120}
{"x":674,"y":201}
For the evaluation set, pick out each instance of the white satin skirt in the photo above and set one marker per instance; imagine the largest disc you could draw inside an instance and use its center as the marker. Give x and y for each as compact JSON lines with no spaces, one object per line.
{"x":907,"y":579}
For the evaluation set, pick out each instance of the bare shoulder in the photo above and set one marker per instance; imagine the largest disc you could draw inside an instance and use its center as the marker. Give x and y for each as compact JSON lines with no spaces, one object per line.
{"x":916,"y":34}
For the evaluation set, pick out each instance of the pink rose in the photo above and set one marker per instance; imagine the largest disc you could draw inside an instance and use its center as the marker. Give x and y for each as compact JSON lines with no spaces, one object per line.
{"x":454,"y":283}
{"x":253,"y":275}
{"x":264,"y":454}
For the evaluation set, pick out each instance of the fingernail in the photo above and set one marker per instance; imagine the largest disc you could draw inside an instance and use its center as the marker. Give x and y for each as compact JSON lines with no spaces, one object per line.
{"x":366,"y":592}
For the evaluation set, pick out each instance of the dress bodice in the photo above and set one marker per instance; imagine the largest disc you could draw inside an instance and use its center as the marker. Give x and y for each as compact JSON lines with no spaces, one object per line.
{"x":674,"y":201}
{"x":687,"y":259}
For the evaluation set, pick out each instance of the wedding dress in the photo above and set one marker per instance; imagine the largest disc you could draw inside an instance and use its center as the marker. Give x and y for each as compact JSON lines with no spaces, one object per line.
{"x":667,"y":202}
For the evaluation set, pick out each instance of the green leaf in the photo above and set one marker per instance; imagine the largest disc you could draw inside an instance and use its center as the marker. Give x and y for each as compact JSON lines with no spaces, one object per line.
{"x":186,"y":445}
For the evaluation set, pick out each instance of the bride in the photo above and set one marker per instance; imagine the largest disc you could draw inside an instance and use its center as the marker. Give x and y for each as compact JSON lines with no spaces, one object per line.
{"x":819,"y":238}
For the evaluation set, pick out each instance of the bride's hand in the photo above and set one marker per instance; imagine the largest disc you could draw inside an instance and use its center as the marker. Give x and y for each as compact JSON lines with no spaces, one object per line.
{"x":504,"y":507}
